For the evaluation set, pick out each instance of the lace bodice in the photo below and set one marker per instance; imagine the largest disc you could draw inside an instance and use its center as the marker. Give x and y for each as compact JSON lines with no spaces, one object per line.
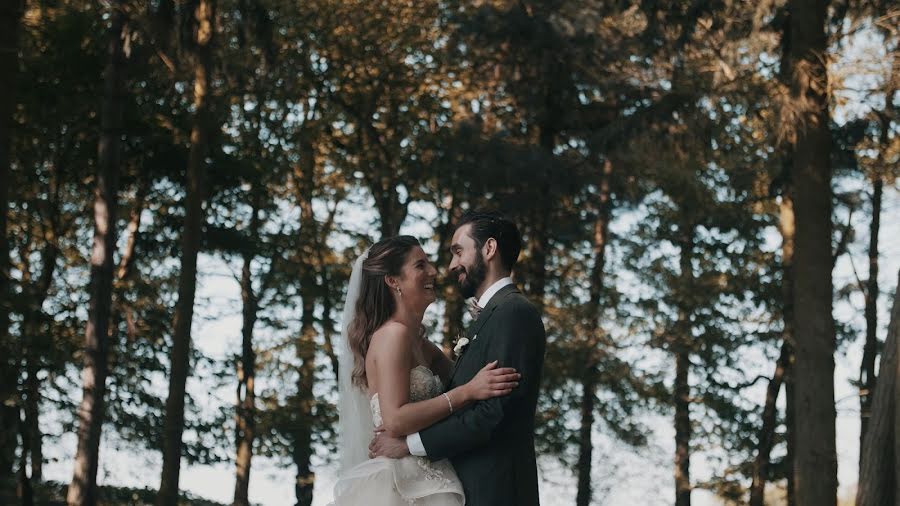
{"x":416,"y":481}
{"x":423,"y":385}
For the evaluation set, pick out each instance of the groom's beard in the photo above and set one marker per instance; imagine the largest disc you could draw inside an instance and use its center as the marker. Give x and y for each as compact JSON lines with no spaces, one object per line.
{"x":475,"y":276}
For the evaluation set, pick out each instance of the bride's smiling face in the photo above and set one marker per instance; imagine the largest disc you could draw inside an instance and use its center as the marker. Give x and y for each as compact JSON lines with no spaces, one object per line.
{"x":416,"y":281}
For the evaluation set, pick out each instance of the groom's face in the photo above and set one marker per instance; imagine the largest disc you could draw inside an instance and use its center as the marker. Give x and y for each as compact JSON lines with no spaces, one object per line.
{"x":467,"y":264}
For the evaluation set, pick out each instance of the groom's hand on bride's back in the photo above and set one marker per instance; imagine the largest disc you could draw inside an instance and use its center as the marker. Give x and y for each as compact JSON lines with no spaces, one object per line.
{"x":385,"y":444}
{"x":492,"y":381}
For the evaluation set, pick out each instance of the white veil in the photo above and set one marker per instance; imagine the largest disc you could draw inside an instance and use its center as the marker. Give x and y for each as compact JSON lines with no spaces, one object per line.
{"x":355,"y":416}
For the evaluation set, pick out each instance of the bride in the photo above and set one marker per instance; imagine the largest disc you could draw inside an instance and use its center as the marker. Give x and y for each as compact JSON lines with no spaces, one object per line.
{"x":391,"y":376}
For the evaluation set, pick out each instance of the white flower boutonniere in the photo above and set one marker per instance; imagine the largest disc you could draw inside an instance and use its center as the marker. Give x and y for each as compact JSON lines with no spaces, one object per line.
{"x":461,"y":344}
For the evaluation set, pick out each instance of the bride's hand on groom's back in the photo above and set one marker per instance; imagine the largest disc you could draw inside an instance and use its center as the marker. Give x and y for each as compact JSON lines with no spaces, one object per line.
{"x":492,"y":381}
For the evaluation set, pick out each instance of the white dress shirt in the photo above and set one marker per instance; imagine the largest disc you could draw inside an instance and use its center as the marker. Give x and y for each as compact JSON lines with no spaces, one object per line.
{"x":414,"y":441}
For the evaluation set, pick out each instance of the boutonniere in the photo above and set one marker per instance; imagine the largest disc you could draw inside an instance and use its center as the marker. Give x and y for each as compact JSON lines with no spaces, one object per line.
{"x":461,"y":343}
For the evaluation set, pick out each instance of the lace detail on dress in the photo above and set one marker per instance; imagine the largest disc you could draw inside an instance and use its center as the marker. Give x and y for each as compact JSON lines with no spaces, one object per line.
{"x":409,"y":480}
{"x":432,"y":472}
{"x":423,"y":385}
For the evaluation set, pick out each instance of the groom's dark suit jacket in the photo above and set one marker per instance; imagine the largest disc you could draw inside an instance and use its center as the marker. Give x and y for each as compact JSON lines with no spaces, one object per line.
{"x":491,"y":443}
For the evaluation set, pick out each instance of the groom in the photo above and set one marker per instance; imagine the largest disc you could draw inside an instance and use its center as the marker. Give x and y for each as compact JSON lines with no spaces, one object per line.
{"x":490,"y":443}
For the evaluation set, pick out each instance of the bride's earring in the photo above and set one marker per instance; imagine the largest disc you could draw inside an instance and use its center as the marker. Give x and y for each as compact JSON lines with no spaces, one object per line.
{"x":399,"y":292}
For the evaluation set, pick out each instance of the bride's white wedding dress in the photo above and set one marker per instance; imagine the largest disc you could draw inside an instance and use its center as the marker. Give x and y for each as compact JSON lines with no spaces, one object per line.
{"x":402,"y":482}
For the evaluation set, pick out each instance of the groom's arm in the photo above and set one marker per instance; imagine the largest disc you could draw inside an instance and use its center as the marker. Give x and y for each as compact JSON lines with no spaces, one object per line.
{"x":518,"y":343}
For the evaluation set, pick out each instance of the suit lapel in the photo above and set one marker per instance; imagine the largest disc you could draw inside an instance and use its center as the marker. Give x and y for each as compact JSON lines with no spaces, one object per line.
{"x":489,"y":310}
{"x":482,"y":319}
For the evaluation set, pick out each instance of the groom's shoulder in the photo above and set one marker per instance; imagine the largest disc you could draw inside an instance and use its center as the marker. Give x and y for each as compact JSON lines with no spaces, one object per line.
{"x":517,"y":303}
{"x":517,"y":312}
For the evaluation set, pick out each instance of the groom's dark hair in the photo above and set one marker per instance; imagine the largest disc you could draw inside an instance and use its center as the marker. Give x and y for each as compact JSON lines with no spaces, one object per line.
{"x":487,"y":224}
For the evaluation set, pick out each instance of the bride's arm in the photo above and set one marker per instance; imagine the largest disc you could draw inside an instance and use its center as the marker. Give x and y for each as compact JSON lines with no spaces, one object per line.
{"x":393,"y":360}
{"x":437,"y":360}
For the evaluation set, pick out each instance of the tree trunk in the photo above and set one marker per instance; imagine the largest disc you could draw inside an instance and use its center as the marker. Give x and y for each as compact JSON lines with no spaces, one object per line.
{"x":204,"y":16}
{"x":306,"y":341}
{"x":870,"y":349}
{"x":767,"y":432}
{"x":589,"y":380}
{"x":121,"y":309}
{"x":327,"y":299}
{"x":538,"y":242}
{"x":23,"y":485}
{"x":782,"y":365}
{"x":10,"y":23}
{"x":788,"y":232}
{"x":306,"y":353}
{"x":681,"y":389}
{"x":391,"y":210}
{"x":682,"y":431}
{"x":326,"y":289}
{"x":328,"y":322}
{"x":454,"y":305}
{"x":126,"y":262}
{"x":246,"y":395}
{"x":33,"y":340}
{"x":878,"y":472}
{"x":394,"y":215}
{"x":585,"y":445}
{"x":32,"y":406}
{"x":83,"y":489}
{"x":790,"y":432}
{"x":681,"y":347}
{"x":815,"y":461}
{"x":454,"y":309}
{"x":383,"y":185}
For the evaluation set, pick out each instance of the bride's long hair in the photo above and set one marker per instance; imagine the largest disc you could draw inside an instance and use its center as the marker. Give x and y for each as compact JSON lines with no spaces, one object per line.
{"x":376,"y":303}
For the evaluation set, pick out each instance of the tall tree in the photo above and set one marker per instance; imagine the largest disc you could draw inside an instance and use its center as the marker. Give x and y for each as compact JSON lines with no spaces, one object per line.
{"x":766,"y":438}
{"x":245,"y":416}
{"x":589,"y":380}
{"x":876,"y":175}
{"x":879,"y":473}
{"x":201,"y":30}
{"x":52,"y":180}
{"x":867,"y":376}
{"x":246,"y":410}
{"x":786,"y":225}
{"x":681,"y":390}
{"x":34,"y":338}
{"x":10,"y":27}
{"x":83,"y":489}
{"x":702,"y":293}
{"x":308,"y":182}
{"x":815,"y":460}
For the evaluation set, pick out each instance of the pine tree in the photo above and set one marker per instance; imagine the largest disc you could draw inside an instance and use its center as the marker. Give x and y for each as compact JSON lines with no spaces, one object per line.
{"x":815,"y":460}
{"x":82,"y":490}
{"x":203,"y":29}
{"x":11,"y":19}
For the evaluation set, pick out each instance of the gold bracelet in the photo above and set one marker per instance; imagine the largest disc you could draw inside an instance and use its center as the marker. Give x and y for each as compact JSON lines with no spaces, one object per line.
{"x":448,"y":402}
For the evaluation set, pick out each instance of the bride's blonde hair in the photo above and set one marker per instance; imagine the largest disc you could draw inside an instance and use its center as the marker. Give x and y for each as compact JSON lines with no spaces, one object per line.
{"x":375,"y":304}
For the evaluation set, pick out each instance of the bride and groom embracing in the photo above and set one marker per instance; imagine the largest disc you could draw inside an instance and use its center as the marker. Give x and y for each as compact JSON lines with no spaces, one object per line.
{"x":416,"y":427}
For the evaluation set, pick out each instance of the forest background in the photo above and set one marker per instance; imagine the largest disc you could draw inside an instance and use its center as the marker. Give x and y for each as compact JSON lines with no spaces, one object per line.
{"x":707,"y":192}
